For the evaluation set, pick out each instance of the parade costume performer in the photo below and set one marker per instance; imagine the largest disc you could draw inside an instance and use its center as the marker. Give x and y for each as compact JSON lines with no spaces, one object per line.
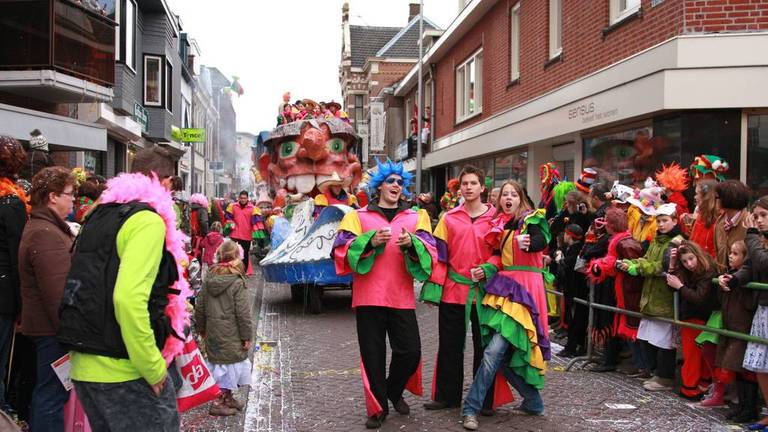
{"x":708,"y":167}
{"x":450,"y":198}
{"x":513,"y":312}
{"x":198,"y":220}
{"x":244,"y":224}
{"x":460,"y":240}
{"x":550,"y":177}
{"x":332,"y":192}
{"x":385,"y":246}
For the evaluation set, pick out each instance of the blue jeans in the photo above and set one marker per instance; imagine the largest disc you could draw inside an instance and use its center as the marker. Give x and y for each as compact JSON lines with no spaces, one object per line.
{"x":496,"y":357}
{"x":6,"y":336}
{"x":49,"y":395}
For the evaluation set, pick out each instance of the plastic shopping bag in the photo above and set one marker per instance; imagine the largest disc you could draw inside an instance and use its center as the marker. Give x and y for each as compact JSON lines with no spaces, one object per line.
{"x":198,"y":385}
{"x":75,"y":419}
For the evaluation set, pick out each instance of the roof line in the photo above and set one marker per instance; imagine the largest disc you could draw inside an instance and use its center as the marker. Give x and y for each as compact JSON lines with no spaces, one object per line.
{"x":404,"y":30}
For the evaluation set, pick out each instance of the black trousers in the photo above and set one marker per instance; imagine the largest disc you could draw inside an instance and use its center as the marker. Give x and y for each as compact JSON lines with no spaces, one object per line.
{"x":246,"y":245}
{"x":374,"y":324}
{"x":450,"y":354}
{"x":661,"y":361}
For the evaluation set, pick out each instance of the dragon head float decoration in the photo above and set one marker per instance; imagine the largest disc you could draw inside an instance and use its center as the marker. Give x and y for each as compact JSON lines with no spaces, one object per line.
{"x":302,"y":154}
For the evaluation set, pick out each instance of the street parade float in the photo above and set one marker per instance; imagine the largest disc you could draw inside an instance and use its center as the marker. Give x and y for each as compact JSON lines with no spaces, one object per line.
{"x":312,"y":167}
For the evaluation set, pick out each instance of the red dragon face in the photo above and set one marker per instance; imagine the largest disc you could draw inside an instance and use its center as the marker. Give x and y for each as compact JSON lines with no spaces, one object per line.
{"x":302,"y":154}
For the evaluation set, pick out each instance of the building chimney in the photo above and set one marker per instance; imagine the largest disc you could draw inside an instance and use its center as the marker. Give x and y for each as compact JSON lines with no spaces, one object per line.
{"x":413,"y":10}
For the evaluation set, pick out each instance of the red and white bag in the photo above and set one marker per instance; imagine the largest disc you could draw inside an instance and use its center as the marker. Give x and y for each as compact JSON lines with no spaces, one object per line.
{"x":75,"y":419}
{"x":198,"y":385}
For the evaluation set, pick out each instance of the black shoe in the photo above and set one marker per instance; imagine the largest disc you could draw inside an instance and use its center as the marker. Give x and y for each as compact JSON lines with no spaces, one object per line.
{"x":487,"y":412}
{"x":374,"y":422}
{"x":401,"y":407}
{"x":749,"y":407}
{"x":437,"y":405}
{"x":603,"y":368}
{"x":566,"y":352}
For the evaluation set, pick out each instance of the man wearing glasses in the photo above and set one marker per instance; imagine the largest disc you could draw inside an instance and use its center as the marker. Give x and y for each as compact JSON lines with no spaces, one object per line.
{"x":385,"y":246}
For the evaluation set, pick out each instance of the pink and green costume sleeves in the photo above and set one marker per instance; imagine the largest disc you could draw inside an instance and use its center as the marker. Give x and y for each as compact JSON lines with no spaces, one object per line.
{"x":257,"y":223}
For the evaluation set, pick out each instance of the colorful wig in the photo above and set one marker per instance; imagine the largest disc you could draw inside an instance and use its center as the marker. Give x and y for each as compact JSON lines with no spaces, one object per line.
{"x":673,"y":177}
{"x":386,"y":169}
{"x":560,"y":191}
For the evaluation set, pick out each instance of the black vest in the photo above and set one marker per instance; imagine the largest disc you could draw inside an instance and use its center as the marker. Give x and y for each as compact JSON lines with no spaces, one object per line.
{"x":87,"y":312}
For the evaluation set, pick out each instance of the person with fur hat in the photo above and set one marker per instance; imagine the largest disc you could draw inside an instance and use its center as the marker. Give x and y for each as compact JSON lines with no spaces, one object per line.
{"x":332,"y":192}
{"x":385,"y":246}
{"x":657,"y":299}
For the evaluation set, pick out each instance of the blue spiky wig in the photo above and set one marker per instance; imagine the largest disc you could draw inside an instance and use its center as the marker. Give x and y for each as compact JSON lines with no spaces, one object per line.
{"x":385,"y":170}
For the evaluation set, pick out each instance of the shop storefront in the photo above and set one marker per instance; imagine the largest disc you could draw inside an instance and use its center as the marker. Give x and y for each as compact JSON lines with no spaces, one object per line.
{"x":498,"y":168}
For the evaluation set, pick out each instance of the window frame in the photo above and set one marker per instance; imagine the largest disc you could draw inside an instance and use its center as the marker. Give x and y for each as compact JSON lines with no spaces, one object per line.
{"x":168,"y":86}
{"x":129,"y":27}
{"x":616,"y":14}
{"x":555,"y":44}
{"x":514,"y":43}
{"x":160,"y":76}
{"x":462,"y":86}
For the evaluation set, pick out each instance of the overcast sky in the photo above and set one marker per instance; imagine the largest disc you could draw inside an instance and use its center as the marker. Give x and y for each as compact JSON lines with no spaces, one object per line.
{"x":290,"y":45}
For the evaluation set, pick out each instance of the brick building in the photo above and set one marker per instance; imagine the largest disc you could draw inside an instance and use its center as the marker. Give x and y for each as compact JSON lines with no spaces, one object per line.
{"x":373,"y":60}
{"x":622,"y":85}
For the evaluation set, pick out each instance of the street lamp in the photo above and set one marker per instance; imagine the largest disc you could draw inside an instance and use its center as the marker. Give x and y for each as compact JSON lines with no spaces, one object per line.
{"x":420,"y":101}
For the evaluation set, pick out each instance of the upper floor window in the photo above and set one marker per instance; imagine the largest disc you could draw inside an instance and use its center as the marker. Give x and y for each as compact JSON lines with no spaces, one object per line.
{"x":153,"y":81}
{"x":168,"y":86}
{"x":358,"y":111}
{"x":125,"y":39}
{"x":514,"y":43}
{"x":555,"y":28}
{"x":469,"y":87}
{"x":621,"y":9}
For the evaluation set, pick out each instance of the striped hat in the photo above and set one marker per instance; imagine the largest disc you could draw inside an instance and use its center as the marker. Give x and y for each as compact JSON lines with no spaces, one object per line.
{"x":586,"y":180}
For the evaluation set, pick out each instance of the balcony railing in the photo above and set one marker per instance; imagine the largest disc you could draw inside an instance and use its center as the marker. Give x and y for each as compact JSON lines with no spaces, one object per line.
{"x":58,"y":34}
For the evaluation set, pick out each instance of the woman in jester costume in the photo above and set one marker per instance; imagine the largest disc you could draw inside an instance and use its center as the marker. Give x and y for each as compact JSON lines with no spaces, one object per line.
{"x":514,"y":305}
{"x":385,"y":246}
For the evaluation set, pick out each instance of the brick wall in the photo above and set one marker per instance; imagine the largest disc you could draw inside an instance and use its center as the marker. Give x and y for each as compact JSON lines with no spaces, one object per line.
{"x":585,"y":50}
{"x":725,"y":15}
{"x":388,"y":74}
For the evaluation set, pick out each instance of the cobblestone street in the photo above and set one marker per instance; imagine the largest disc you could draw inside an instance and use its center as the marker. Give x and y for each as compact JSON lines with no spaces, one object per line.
{"x":306,"y":378}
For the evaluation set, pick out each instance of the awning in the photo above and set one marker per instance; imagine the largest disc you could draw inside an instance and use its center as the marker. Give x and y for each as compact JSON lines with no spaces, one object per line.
{"x":62,"y":133}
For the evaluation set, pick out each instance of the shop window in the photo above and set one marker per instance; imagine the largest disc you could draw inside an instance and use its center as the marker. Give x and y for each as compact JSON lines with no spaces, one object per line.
{"x":510,"y":167}
{"x":629,"y":155}
{"x":514,"y":43}
{"x":757,"y":154}
{"x":621,"y":9}
{"x":469,"y":87}
{"x":153,"y":81}
{"x":555,"y":28}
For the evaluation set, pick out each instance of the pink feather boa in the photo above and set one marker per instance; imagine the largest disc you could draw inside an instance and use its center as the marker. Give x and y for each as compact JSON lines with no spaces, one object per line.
{"x":199,"y":199}
{"x":138,"y":187}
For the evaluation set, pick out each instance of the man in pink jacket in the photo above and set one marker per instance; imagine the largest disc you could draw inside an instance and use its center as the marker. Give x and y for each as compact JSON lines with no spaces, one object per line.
{"x":244,"y":224}
{"x":460,"y":241}
{"x":385,"y":246}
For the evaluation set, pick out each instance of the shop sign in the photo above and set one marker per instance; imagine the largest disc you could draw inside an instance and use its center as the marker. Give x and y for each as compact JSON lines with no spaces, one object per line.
{"x":588,"y":112}
{"x":377,"y":127}
{"x":141,"y":116}
{"x":193,"y":135}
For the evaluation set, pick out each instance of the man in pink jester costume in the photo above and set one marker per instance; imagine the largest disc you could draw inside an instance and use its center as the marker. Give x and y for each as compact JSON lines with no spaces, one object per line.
{"x":385,"y":246}
{"x":244,"y":224}
{"x":461,"y":246}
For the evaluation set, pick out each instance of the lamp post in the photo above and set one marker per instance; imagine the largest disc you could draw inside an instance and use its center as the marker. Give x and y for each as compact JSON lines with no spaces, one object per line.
{"x":420,"y":101}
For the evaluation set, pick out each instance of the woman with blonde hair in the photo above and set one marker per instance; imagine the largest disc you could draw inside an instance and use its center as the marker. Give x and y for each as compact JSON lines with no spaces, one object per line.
{"x":223,"y":319}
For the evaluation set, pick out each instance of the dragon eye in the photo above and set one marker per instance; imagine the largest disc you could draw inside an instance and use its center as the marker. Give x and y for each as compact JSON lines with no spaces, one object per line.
{"x":288,"y":149}
{"x":335,"y":145}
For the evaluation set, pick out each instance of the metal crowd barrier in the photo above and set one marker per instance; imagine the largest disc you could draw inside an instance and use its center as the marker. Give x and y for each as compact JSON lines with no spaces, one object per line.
{"x":590,"y":303}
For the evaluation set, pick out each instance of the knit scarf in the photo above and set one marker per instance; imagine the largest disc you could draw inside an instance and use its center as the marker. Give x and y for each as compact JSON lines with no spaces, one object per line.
{"x":138,"y":187}
{"x":9,"y":187}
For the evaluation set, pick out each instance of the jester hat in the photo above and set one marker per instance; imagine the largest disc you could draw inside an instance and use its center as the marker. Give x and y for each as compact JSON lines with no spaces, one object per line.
{"x":704,"y":165}
{"x":386,"y":169}
{"x":549,"y":174}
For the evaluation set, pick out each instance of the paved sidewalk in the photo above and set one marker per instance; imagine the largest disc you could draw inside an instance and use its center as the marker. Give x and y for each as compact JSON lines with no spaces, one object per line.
{"x":306,"y":378}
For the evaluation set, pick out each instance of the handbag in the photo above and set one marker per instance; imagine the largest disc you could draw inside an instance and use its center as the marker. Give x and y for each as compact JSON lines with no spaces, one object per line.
{"x":198,"y":386}
{"x":581,"y":265}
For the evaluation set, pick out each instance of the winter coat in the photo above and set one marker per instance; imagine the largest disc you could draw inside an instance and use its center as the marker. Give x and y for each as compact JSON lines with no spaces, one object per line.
{"x":698,"y":295}
{"x":198,"y":219}
{"x":45,"y":255}
{"x":657,"y":298}
{"x":210,"y":243}
{"x":13,"y":217}
{"x":704,"y":236}
{"x":725,"y":239}
{"x":740,"y":303}
{"x":223,"y":315}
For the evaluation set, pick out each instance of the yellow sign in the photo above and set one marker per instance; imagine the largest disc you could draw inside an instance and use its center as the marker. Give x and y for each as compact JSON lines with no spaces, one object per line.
{"x":193,"y":135}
